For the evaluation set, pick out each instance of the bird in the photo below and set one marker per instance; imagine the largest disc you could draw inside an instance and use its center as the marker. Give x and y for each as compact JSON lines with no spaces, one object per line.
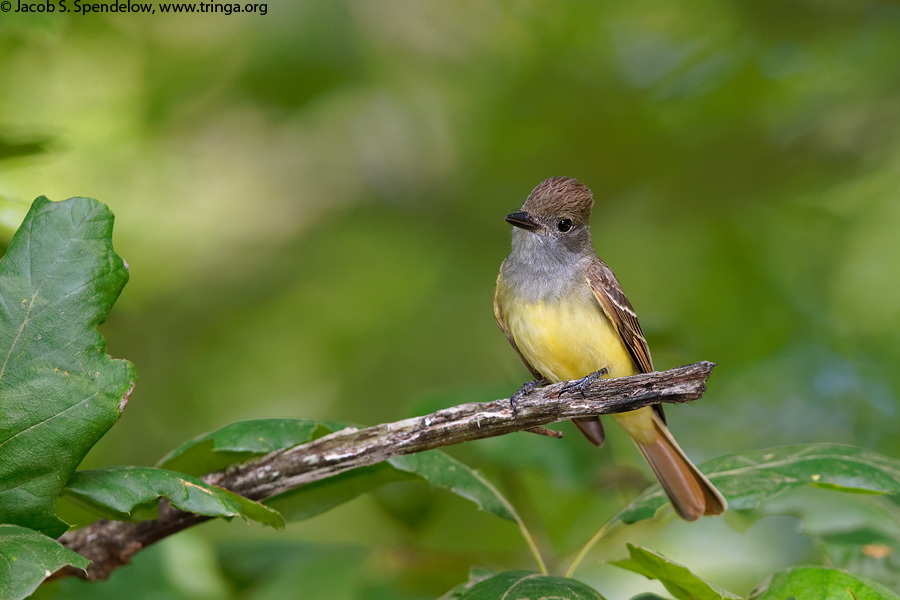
{"x":565,"y":313}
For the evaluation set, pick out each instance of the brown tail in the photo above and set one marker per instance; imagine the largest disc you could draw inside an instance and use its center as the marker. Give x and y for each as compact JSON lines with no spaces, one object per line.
{"x":691,"y":493}
{"x":592,"y":429}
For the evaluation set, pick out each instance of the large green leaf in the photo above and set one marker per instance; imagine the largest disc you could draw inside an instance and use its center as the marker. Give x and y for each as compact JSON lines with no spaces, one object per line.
{"x":676,"y":578}
{"x":819,"y":583}
{"x":27,"y":557}
{"x":246,"y":439}
{"x":59,"y":391}
{"x":132,"y":494}
{"x":748,"y":479}
{"x":524,"y":585}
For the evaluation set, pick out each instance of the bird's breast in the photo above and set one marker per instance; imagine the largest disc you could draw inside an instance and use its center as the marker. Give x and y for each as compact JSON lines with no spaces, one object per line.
{"x":565,"y":337}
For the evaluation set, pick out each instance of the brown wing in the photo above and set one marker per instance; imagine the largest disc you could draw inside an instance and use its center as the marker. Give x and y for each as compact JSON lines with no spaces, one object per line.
{"x":608,"y":292}
{"x":498,"y":316}
{"x":618,"y":309}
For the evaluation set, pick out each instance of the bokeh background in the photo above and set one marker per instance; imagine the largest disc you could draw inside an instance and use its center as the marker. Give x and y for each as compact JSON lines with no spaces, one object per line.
{"x":311,"y":205}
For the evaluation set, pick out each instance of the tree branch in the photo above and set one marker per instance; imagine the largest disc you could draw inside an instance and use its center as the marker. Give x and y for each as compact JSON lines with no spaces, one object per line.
{"x":111,"y":544}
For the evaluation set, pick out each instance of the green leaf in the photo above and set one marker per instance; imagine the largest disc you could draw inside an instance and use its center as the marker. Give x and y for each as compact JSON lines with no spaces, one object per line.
{"x":321,"y":496}
{"x":12,"y":213}
{"x":676,"y":578}
{"x":857,"y":534}
{"x":525,"y":585}
{"x":819,"y":583}
{"x":442,"y":471}
{"x":132,"y":493}
{"x":27,"y":557}
{"x":476,"y":575}
{"x":59,"y":391}
{"x":246,"y":439}
{"x":748,"y":479}
{"x":434,"y":467}
{"x":241,"y":441}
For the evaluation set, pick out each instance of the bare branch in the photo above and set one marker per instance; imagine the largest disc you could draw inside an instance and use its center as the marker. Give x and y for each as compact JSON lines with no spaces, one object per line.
{"x":547,"y":432}
{"x":111,"y":544}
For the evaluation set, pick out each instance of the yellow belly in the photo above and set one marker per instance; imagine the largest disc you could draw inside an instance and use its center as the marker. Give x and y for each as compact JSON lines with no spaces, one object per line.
{"x":567,"y":339}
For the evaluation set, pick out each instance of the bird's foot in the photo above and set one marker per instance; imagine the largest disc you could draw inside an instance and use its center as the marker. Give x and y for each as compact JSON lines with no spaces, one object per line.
{"x":526,"y":389}
{"x":579,"y":385}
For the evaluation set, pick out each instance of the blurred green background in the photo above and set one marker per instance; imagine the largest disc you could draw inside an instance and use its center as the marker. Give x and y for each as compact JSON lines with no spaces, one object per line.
{"x":311,"y":205}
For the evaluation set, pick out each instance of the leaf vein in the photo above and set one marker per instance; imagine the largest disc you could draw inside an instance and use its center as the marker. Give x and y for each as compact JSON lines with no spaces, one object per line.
{"x":19,"y":334}
{"x":793,"y":460}
{"x":50,"y":418}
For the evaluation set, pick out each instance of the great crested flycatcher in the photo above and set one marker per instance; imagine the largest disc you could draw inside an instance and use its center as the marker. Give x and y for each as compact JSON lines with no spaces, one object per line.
{"x":566,"y":315}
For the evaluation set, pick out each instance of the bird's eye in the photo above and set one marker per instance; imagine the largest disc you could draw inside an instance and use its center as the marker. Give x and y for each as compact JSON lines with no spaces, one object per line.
{"x":564,"y":225}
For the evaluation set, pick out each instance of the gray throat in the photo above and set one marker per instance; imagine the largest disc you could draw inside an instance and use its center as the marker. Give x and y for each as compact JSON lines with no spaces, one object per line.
{"x":545,"y":268}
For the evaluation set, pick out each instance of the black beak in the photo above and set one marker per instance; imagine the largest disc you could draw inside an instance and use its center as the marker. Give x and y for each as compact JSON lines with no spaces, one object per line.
{"x":523,"y":220}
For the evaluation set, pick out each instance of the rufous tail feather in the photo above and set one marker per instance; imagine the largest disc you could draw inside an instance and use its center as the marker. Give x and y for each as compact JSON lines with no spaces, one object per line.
{"x":691,"y":493}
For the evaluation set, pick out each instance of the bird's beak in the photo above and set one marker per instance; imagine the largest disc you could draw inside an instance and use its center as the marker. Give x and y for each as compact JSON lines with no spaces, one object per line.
{"x":523,"y":220}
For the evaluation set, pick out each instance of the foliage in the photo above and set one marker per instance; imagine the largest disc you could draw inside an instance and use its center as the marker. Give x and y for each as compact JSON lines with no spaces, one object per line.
{"x":680,"y":582}
{"x":524,"y":585}
{"x":133,"y":493}
{"x":246,"y":439}
{"x":28,"y":557}
{"x":811,"y":583}
{"x":240,"y":441}
{"x":750,"y":478}
{"x":62,"y":265}
{"x":311,"y":202}
{"x":801,"y":583}
{"x":60,"y":392}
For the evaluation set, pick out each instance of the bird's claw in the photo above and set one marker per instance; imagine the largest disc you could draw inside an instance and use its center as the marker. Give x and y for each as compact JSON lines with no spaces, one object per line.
{"x":579,"y":385}
{"x":526,"y":389}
